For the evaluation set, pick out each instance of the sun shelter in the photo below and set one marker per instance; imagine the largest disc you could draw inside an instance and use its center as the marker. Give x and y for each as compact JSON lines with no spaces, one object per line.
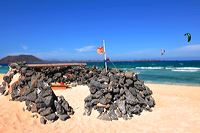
{"x":57,"y":86}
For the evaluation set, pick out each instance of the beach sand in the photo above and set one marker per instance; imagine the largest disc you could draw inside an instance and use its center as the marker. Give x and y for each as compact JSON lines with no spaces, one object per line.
{"x":177,"y":110}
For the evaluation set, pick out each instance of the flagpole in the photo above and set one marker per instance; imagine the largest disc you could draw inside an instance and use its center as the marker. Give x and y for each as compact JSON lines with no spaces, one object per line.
{"x":104,"y":46}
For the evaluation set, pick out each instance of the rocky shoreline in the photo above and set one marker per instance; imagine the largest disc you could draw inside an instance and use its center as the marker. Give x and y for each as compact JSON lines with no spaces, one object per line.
{"x":114,"y":94}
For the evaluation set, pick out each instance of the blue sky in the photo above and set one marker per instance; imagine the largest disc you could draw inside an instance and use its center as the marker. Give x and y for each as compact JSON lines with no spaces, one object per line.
{"x":72,"y":29}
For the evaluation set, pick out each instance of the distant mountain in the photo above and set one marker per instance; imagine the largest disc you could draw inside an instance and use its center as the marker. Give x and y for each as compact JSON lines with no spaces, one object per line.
{"x":18,"y":58}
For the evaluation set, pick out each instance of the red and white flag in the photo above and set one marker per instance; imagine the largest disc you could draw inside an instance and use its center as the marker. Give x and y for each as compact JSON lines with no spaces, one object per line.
{"x":100,"y":50}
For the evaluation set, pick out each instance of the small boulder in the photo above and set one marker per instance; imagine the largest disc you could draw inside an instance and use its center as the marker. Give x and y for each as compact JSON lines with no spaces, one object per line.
{"x":51,"y":117}
{"x":43,"y":120}
{"x":46,"y":111}
{"x":64,"y":117}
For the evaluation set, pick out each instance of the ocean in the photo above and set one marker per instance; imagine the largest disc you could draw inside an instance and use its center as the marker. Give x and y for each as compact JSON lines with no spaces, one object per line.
{"x":3,"y":68}
{"x":167,"y":72}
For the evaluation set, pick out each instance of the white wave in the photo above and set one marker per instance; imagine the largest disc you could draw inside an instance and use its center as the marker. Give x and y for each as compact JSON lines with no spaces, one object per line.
{"x":137,"y":73}
{"x":130,"y":69}
{"x":151,"y":68}
{"x":125,"y":69}
{"x":187,"y":68}
{"x":175,"y":69}
{"x":183,"y":70}
{"x":169,"y":68}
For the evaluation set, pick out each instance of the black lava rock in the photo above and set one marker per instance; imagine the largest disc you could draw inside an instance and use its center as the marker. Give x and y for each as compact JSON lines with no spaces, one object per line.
{"x":43,"y":120}
{"x":115,"y":94}
{"x":64,"y":117}
{"x":51,"y":117}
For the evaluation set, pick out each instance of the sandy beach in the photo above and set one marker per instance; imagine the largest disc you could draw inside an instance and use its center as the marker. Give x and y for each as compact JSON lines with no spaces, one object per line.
{"x":177,"y":110}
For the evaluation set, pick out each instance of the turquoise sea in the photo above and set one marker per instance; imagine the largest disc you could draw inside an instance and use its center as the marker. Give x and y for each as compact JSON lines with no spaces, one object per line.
{"x":170,"y":72}
{"x":3,"y":68}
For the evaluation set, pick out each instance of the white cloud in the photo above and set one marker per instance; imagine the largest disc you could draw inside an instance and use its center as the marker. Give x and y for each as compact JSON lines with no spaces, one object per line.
{"x":24,"y":47}
{"x":184,"y":52}
{"x":187,"y":51}
{"x":86,"y":48}
{"x":189,"y":48}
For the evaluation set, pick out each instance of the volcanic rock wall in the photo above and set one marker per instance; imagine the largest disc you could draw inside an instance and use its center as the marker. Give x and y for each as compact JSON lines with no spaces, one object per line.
{"x":114,"y":94}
